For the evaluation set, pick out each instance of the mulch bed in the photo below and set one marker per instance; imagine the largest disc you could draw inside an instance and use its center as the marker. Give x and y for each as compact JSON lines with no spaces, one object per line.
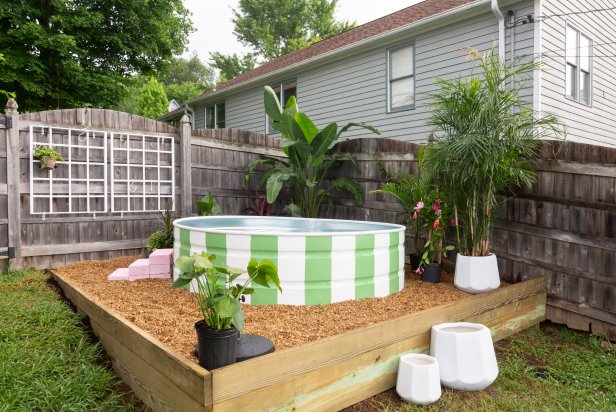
{"x":169,"y":314}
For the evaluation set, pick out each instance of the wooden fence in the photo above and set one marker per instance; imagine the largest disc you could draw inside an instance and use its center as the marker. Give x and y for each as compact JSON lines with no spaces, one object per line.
{"x":564,"y":227}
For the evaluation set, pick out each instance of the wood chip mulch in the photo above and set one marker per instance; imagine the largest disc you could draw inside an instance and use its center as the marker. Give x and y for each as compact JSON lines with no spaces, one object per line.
{"x":169,"y":314}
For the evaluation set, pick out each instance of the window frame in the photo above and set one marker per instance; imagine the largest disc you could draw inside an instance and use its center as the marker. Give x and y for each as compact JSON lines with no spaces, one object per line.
{"x":216,"y":122}
{"x":389,"y":79}
{"x":275,"y":86}
{"x":578,"y":66}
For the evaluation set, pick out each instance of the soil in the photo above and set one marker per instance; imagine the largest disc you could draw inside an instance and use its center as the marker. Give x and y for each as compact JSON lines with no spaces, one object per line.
{"x":170,"y":314}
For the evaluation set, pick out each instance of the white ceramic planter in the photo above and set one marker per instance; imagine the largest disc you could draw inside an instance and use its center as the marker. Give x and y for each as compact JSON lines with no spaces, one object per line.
{"x":465,"y":355}
{"x":418,"y":379}
{"x":476,"y":274}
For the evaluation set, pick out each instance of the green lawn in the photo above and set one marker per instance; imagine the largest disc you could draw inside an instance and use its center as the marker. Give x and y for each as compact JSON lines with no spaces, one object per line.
{"x":47,"y":362}
{"x":546,"y":368}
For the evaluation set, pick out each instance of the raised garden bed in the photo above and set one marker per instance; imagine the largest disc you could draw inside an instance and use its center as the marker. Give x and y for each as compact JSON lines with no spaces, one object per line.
{"x":326,"y":373}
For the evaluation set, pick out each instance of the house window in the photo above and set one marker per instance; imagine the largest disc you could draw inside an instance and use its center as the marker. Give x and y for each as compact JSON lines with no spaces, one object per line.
{"x":284,"y":90}
{"x":401,"y":78}
{"x":578,"y":66}
{"x":215,"y":116}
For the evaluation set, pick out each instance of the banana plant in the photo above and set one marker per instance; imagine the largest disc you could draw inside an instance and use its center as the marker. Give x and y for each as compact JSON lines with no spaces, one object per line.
{"x":304,"y":170}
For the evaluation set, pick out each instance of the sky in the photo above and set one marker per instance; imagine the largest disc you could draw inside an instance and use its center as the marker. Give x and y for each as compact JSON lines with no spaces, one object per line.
{"x":212,"y":19}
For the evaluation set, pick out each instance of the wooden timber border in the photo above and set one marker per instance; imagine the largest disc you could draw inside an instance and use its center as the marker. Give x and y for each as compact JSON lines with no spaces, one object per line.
{"x":328,"y":374}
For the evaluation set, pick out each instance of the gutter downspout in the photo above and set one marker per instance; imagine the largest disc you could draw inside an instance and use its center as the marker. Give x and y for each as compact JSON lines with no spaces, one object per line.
{"x":501,"y":28}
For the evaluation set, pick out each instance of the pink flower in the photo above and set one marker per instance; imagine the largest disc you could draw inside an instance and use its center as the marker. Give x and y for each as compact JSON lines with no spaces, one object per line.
{"x":415,"y":215}
{"x":436,"y":224}
{"x":453,"y":222}
{"x":419,"y":206}
{"x":436,"y":207}
{"x":419,"y":271}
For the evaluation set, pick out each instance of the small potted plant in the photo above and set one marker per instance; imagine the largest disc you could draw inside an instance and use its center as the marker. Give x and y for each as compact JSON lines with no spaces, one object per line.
{"x":433,"y":213}
{"x":219,"y":302}
{"x":48,"y":156}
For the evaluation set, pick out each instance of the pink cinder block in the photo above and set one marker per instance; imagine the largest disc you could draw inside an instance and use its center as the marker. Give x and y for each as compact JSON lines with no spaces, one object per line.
{"x":161,"y":276}
{"x":161,"y":257}
{"x":119,"y":274}
{"x":139,"y":269}
{"x":164,"y":269}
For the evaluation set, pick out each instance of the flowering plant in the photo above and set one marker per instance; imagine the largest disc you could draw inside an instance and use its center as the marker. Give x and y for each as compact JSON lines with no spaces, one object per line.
{"x":432,"y":211}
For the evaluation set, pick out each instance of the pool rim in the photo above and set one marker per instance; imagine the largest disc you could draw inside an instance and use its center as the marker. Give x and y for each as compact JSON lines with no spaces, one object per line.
{"x":393,"y":226}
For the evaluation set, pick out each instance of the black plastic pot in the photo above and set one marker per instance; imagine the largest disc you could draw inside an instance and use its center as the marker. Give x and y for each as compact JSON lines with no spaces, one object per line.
{"x":217,"y":348}
{"x":414,"y":261}
{"x":432,"y":273}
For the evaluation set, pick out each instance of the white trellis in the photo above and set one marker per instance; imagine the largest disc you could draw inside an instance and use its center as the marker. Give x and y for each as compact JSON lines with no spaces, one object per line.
{"x":69,"y":190}
{"x":142,"y":172}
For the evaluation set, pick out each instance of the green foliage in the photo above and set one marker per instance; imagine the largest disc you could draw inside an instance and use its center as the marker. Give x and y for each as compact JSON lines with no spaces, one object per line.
{"x":4,"y":93}
{"x":409,"y":189}
{"x":47,"y":360}
{"x":232,"y":65}
{"x":434,"y":214}
{"x":208,"y":206}
{"x":63,"y":54}
{"x":306,"y":167}
{"x":152,"y":100}
{"x":183,"y":92}
{"x":191,"y":70}
{"x":162,"y":238}
{"x":489,"y":139}
{"x":277,"y":27}
{"x":217,"y":296}
{"x":40,"y":153}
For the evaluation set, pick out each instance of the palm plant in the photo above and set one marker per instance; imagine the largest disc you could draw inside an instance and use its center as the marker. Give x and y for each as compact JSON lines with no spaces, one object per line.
{"x":305,"y":169}
{"x":489,"y":139}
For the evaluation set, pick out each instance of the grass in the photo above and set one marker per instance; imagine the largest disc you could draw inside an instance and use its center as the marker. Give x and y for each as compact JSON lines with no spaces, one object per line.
{"x":546,"y":368}
{"x":47,"y":361}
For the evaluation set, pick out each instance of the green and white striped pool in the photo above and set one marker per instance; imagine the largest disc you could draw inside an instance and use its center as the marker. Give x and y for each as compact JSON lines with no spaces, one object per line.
{"x":319,"y":261}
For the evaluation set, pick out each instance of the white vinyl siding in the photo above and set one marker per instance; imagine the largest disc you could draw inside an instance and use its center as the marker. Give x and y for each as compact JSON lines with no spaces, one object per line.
{"x":592,"y":123}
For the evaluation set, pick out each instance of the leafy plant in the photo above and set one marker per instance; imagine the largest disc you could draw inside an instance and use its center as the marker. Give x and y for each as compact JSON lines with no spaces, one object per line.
{"x":305,"y":169}
{"x":258,"y":206}
{"x":489,"y":138}
{"x":162,"y":238}
{"x":208,"y":206}
{"x":42,"y":152}
{"x":218,"y":298}
{"x":408,"y":189}
{"x":433,"y":212}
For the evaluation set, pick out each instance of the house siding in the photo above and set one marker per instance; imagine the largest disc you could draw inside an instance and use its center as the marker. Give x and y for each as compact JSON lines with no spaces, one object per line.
{"x":354,"y":89}
{"x":594,"y":124}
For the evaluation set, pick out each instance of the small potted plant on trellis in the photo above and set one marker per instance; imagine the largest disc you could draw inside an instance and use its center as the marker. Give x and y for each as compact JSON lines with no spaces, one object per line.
{"x":219,"y":302}
{"x":48,"y":156}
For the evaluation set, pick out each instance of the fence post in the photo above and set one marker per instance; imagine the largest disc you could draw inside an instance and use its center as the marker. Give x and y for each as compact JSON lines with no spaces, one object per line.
{"x":12,"y":184}
{"x":185,"y":166}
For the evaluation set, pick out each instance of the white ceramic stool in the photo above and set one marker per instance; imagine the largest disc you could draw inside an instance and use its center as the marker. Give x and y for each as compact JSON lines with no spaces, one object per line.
{"x":418,"y":379}
{"x":465,"y":355}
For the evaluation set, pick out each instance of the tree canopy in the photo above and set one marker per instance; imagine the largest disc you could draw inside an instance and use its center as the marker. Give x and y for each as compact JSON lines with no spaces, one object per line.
{"x":230,"y":66}
{"x":70,"y":53}
{"x":277,"y":27}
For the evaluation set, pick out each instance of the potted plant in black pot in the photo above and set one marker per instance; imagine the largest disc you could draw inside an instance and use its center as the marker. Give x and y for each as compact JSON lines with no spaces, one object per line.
{"x":433,"y":213}
{"x":219,"y":302}
{"x":408,"y":189}
{"x":48,"y":156}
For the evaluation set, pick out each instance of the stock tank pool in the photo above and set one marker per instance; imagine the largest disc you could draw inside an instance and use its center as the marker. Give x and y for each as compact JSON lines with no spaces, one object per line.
{"x":319,"y":261}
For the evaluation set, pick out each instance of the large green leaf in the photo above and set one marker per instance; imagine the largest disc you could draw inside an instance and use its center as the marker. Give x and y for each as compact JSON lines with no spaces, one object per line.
{"x":181,"y":282}
{"x":272,"y":105}
{"x":362,"y":125}
{"x":275,"y":182}
{"x":185,"y":264}
{"x":264,"y":273}
{"x":225,"y":306}
{"x":322,"y":142}
{"x":238,"y":319}
{"x":308,"y":128}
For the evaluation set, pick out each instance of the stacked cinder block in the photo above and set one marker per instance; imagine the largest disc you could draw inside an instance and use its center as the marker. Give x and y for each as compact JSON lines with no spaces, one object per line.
{"x":158,"y":266}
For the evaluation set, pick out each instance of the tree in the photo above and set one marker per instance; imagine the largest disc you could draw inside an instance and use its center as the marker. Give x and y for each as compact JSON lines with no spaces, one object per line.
{"x":152,"y":100}
{"x":183,"y":92}
{"x":277,"y":27}
{"x":4,"y":92}
{"x":232,"y":65}
{"x":69,"y":53}
{"x":191,"y":70}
